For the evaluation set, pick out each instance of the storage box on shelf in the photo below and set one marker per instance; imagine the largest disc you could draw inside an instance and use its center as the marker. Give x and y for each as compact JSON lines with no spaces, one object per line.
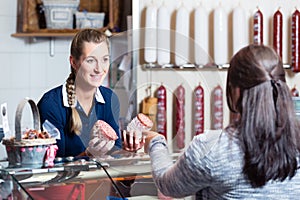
{"x":89,"y":19}
{"x":59,"y":14}
{"x":63,"y":28}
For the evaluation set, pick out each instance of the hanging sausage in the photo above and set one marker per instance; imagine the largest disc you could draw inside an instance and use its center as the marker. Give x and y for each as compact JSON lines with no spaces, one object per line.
{"x":296,"y":41}
{"x":217,"y":105}
{"x":162,"y":111}
{"x":182,"y":37}
{"x":258,"y":27}
{"x":180,"y":115}
{"x":150,"y":34}
{"x":163,"y":36}
{"x":220,"y":36}
{"x":199,"y":110}
{"x":239,"y":28}
{"x":201,"y":36}
{"x":277,"y":32}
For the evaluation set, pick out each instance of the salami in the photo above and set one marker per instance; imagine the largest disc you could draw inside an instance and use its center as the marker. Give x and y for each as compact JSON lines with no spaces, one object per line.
{"x":220,"y":36}
{"x":239,"y":27}
{"x":217,"y":104}
{"x":181,"y":37}
{"x":163,"y":36}
{"x":199,"y":110}
{"x":296,"y":41}
{"x":140,"y":123}
{"x":103,"y":130}
{"x":277,"y":33}
{"x":150,"y":54}
{"x":180,"y":122}
{"x":258,"y":27}
{"x":201,"y":36}
{"x":162,"y":111}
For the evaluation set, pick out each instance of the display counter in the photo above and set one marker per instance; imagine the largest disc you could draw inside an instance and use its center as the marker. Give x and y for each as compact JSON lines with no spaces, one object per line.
{"x":127,"y":176}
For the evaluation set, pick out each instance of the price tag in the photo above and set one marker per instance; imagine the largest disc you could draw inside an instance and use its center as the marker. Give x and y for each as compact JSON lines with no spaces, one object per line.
{"x":4,"y":118}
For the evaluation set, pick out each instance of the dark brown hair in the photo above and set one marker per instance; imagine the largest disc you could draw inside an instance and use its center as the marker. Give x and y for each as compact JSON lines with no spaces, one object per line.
{"x":77,"y":45}
{"x":267,"y":127}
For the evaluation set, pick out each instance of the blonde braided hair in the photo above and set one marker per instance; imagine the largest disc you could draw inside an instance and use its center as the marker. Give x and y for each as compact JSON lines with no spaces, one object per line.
{"x":75,"y":123}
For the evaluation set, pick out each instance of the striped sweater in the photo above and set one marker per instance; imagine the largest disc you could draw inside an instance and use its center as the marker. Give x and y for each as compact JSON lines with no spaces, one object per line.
{"x":211,"y":166}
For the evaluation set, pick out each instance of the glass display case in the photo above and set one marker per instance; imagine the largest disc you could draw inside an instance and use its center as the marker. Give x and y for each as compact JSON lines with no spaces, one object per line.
{"x":121,"y":176}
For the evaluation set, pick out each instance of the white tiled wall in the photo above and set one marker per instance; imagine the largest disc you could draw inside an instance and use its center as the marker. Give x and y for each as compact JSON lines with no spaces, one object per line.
{"x":26,"y":68}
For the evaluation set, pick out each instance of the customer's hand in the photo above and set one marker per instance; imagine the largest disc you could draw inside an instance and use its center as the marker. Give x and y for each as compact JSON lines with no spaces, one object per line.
{"x":133,"y":140}
{"x":149,"y":135}
{"x":98,"y":147}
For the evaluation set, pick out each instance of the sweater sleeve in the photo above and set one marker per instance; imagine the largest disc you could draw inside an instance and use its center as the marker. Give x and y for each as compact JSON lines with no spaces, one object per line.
{"x":189,"y":174}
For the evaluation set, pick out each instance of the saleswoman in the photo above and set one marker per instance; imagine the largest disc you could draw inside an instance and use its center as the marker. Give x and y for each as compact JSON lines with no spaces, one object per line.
{"x":75,"y":106}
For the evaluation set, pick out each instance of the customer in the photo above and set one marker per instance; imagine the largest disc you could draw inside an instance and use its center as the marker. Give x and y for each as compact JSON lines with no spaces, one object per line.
{"x":75,"y":106}
{"x":256,"y":156}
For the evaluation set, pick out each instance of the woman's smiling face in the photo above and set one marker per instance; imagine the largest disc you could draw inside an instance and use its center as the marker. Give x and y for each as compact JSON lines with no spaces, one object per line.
{"x":93,"y":65}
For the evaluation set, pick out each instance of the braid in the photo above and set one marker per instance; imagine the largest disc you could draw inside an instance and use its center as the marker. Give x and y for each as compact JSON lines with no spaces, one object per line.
{"x":71,"y":90}
{"x":75,"y":125}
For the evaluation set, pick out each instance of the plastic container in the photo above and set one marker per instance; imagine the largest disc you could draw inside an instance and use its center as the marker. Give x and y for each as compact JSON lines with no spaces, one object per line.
{"x":59,"y":13}
{"x":103,"y":131}
{"x":89,"y":20}
{"x":140,"y":123}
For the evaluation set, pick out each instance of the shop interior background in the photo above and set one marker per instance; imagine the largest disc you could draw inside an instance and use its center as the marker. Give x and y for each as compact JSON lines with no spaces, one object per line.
{"x":28,"y":69}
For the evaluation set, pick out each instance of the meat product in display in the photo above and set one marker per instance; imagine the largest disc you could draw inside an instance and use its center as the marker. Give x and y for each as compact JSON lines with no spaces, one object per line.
{"x":239,"y":27}
{"x":182,"y":37}
{"x":151,"y":34}
{"x":201,"y":36}
{"x":162,"y":111}
{"x":180,"y":122}
{"x":277,"y":32}
{"x":163,"y":36}
{"x":296,"y":41}
{"x":258,"y":27}
{"x":217,"y":105}
{"x":220,"y":36}
{"x":199,"y":110}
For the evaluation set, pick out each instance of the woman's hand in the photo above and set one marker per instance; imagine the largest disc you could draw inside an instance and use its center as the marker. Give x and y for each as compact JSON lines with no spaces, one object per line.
{"x":98,"y":147}
{"x":148,"y":137}
{"x":132,"y":141}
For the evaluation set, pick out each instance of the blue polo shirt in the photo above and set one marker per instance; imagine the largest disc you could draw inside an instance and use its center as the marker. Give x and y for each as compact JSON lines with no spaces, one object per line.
{"x":53,"y":106}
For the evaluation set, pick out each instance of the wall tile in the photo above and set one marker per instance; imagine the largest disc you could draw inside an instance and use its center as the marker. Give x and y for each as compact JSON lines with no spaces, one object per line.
{"x":20,"y":70}
{"x":5,"y":69}
{"x":37,"y":69}
{"x":8,"y":7}
{"x":58,"y":69}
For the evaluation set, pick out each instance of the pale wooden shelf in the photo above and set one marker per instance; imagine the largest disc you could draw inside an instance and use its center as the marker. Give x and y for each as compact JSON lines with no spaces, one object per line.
{"x":47,"y":33}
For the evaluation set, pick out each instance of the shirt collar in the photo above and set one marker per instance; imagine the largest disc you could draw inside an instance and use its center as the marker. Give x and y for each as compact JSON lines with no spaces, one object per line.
{"x":98,"y":95}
